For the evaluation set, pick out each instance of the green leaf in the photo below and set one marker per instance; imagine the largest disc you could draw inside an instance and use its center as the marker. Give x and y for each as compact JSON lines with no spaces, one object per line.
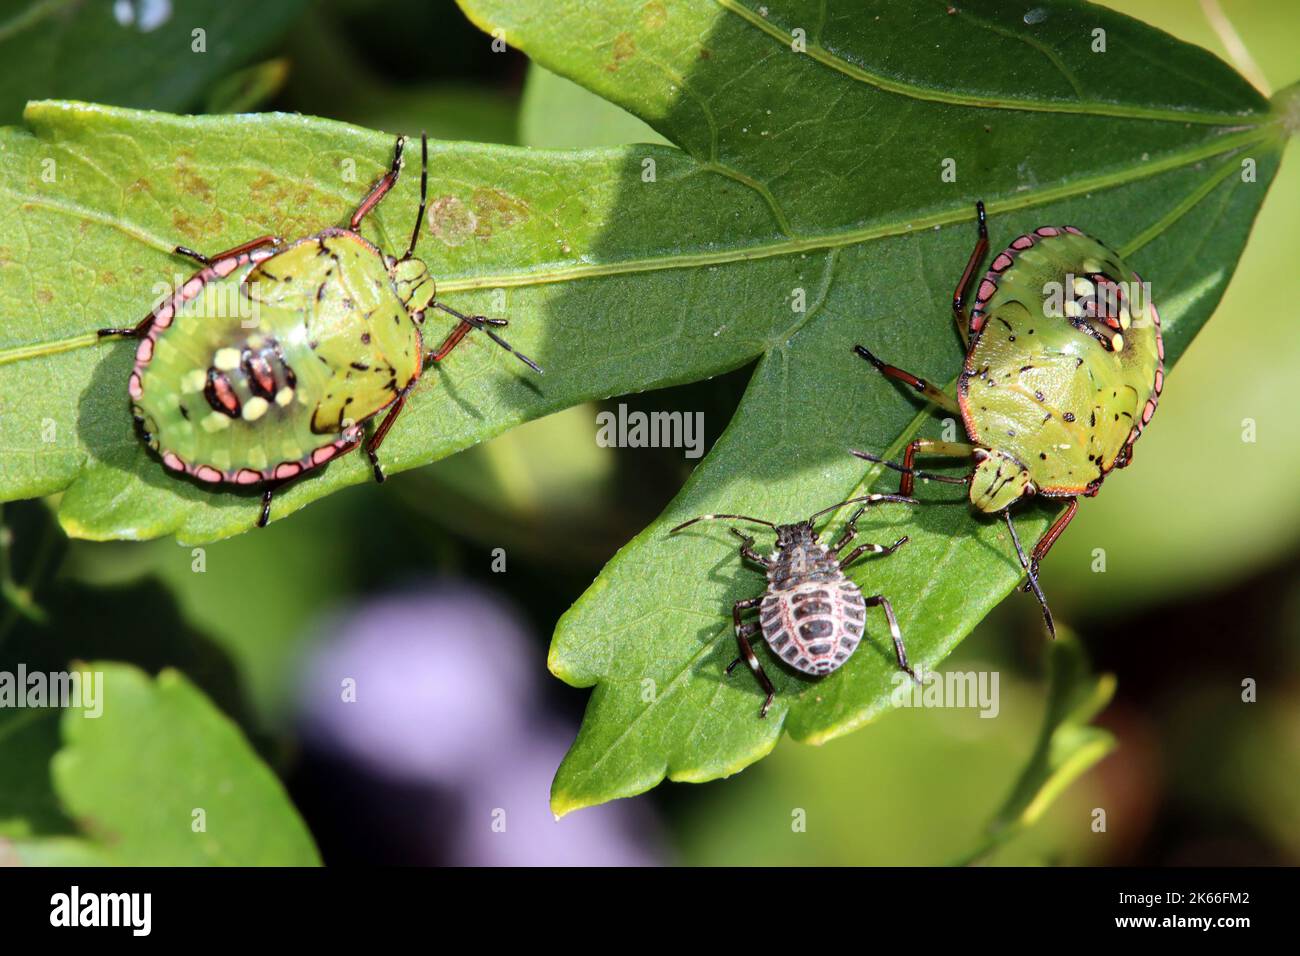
{"x":842,"y":146}
{"x":136,"y":777}
{"x":1067,"y":745}
{"x":129,"y":52}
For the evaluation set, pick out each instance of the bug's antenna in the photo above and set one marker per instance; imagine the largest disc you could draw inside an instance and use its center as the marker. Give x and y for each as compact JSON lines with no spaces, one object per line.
{"x":869,"y":499}
{"x":928,"y":475}
{"x":424,"y":193}
{"x":1033,"y":578}
{"x":687,"y":524}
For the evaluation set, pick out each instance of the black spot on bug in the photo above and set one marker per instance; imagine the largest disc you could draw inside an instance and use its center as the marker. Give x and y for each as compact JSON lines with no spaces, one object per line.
{"x":185,"y":412}
{"x":1068,"y":416}
{"x":361,"y":366}
{"x":1043,"y":455}
{"x":1039,"y":395}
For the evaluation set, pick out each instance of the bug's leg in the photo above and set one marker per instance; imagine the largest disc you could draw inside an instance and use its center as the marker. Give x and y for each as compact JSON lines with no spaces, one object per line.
{"x":140,"y":328}
{"x":849,"y":533}
{"x":482,"y":323}
{"x":899,"y":650}
{"x":743,"y":631}
{"x":259,"y":242}
{"x":1032,"y":572}
{"x":1049,"y":537}
{"x":933,"y":448}
{"x":959,"y":296}
{"x":377,"y":439}
{"x":747,"y":549}
{"x":265,"y":516}
{"x":862,"y":549}
{"x":381,"y":188}
{"x":933,"y":394}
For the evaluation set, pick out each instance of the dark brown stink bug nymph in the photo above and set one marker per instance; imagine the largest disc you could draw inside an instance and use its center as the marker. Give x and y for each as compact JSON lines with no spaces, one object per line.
{"x":811,"y":615}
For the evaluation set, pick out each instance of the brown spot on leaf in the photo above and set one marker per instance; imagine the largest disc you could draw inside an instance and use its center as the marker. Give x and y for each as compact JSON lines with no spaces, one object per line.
{"x":189,"y":181}
{"x":198,"y":226}
{"x":44,"y":296}
{"x":624,"y":49}
{"x":654,"y":15}
{"x":451,"y":221}
{"x":497,"y":211}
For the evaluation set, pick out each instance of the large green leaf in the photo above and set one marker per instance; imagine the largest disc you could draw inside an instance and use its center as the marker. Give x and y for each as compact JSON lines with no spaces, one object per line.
{"x":843,"y":145}
{"x":161,"y":776}
{"x":130,"y":52}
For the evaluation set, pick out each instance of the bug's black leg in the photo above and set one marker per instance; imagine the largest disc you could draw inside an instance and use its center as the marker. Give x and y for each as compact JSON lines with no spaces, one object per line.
{"x":265,"y":516}
{"x":899,"y":650}
{"x":931,"y":392}
{"x":377,"y":439}
{"x":380,"y":190}
{"x":862,"y":549}
{"x":747,"y":549}
{"x":959,"y":296}
{"x":849,"y":533}
{"x":1049,"y":538}
{"x":191,"y":254}
{"x":747,"y":652}
{"x":482,"y":323}
{"x":1033,"y":575}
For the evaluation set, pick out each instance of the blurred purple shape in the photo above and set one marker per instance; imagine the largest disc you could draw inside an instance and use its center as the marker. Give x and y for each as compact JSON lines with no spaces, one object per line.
{"x":507,"y":819}
{"x":442,"y":676}
{"x":447,"y":697}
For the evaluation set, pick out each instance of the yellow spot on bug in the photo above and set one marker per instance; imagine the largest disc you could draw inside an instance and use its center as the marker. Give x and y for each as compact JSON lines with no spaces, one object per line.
{"x":1091,"y":265}
{"x":256,"y":341}
{"x":1073,"y":309}
{"x":1125,"y":318}
{"x":227,"y":360}
{"x":284,"y":396}
{"x":257,"y":459}
{"x":1082,"y":286}
{"x":1117,"y":343}
{"x":194,"y":380}
{"x":215,"y":422}
{"x":255,"y":408}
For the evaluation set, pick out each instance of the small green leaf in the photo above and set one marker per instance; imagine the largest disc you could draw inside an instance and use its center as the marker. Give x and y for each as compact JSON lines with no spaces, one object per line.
{"x":161,"y":777}
{"x":1067,"y":745}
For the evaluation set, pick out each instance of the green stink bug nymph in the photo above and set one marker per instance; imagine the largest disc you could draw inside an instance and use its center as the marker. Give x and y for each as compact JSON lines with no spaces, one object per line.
{"x":1064,"y":368}
{"x":331,"y":337}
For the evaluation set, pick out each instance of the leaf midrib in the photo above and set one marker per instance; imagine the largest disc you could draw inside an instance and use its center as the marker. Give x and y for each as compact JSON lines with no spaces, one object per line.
{"x":825,"y":57}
